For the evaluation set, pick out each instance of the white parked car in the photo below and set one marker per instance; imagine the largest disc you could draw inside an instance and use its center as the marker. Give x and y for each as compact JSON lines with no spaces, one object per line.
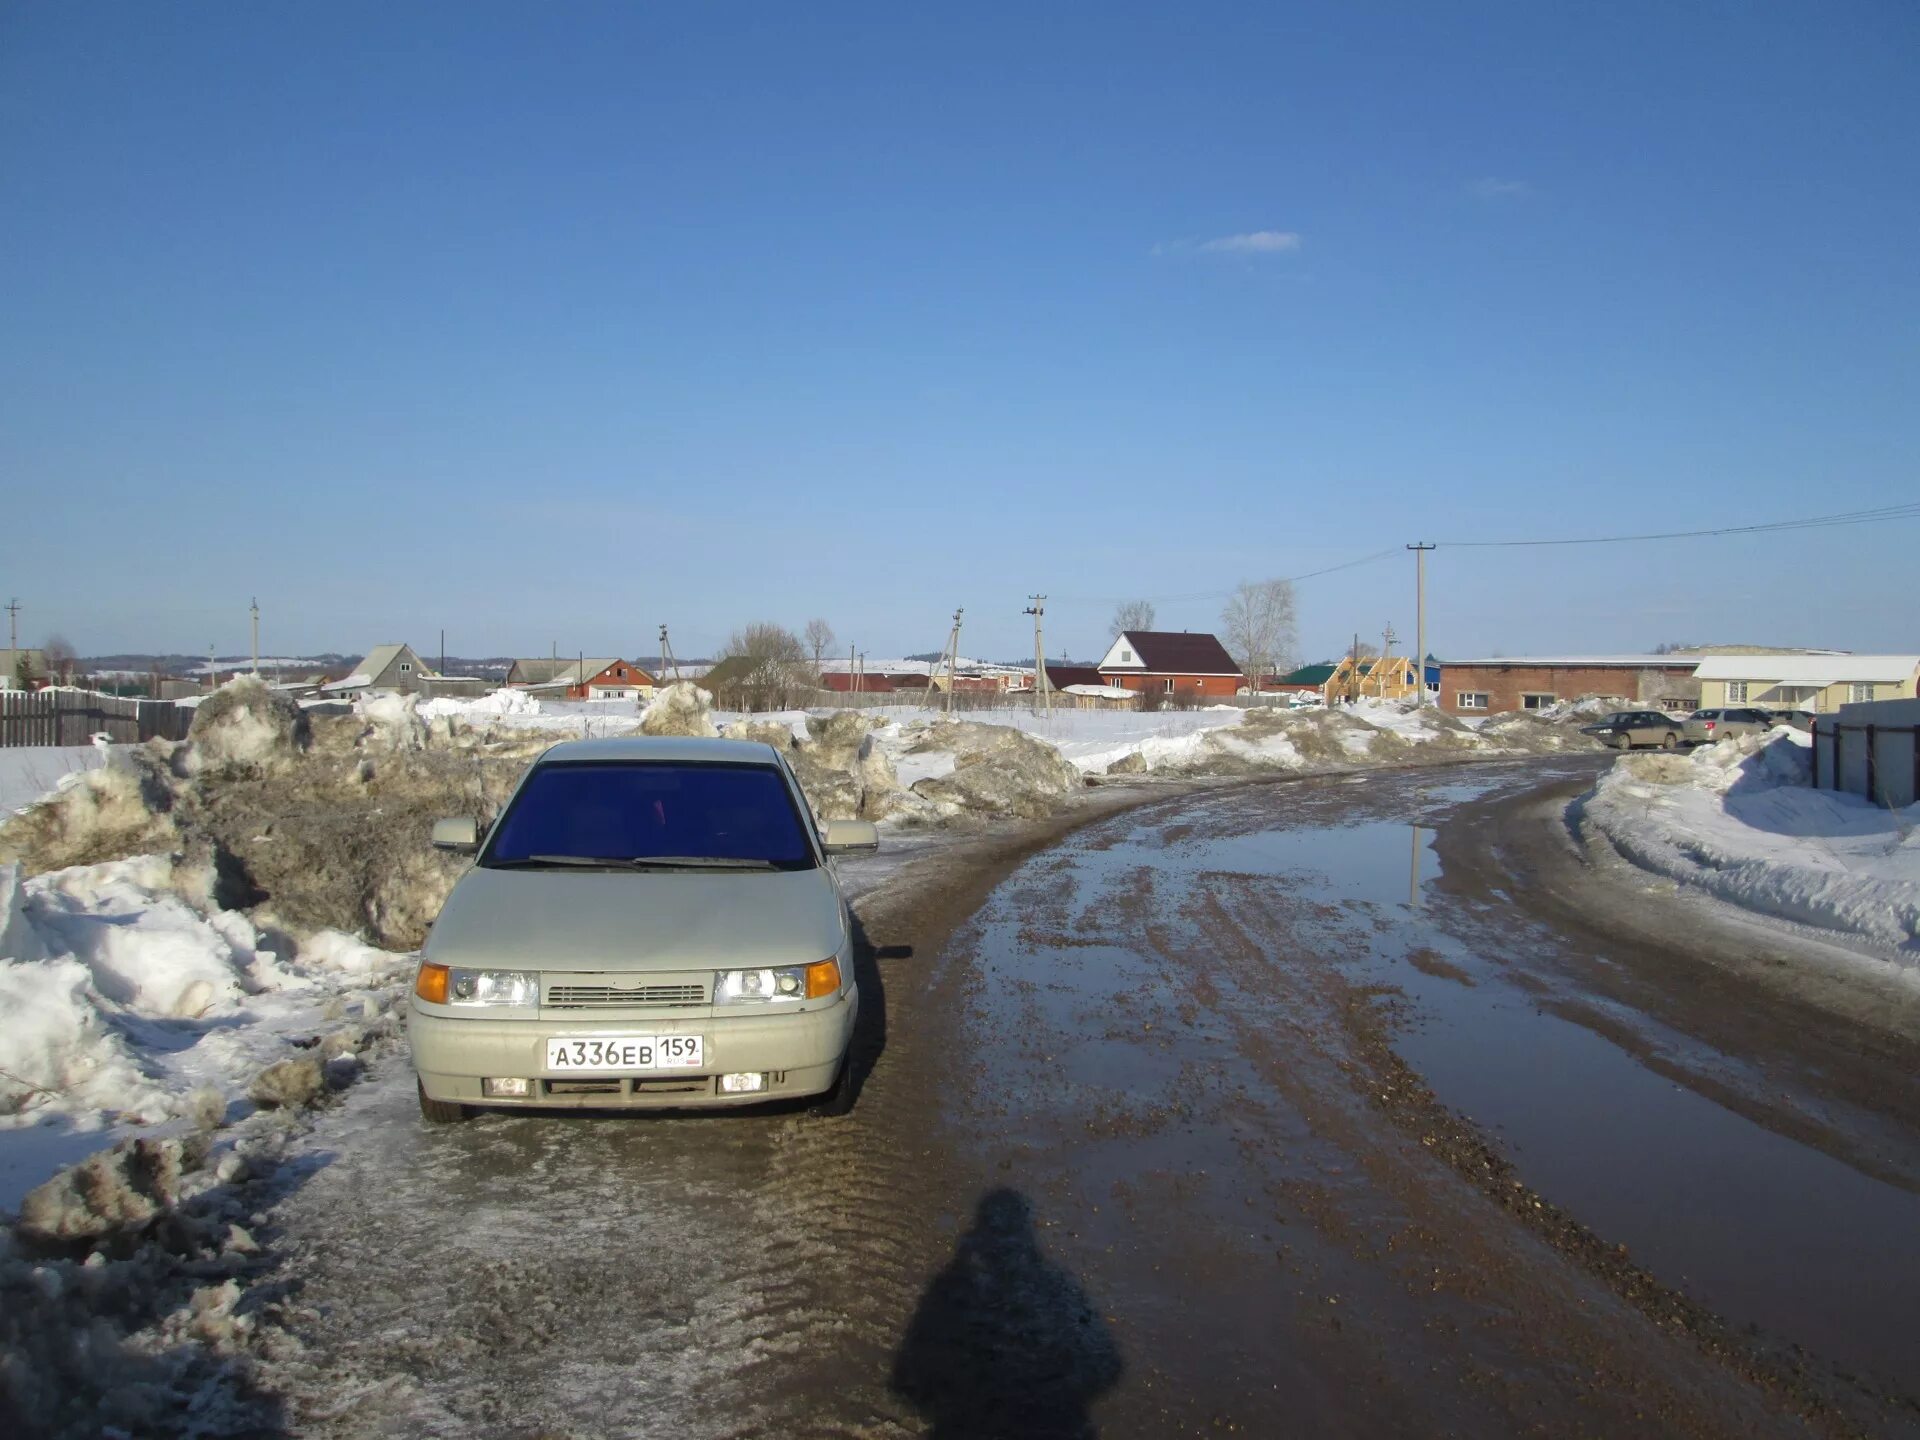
{"x":651,"y":924}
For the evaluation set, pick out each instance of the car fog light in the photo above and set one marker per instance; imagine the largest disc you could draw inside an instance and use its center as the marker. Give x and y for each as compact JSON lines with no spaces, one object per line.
{"x":742,"y":1084}
{"x":512,"y":1088}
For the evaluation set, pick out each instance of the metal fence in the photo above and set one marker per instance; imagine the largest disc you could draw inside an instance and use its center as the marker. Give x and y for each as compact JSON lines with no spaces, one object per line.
{"x":1867,"y":749}
{"x":73,"y":717}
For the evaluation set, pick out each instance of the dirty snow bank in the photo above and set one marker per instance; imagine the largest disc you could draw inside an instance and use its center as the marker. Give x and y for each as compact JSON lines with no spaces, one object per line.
{"x":1738,"y":820}
{"x":131,"y":999}
{"x":28,"y":772}
{"x":193,"y":1043}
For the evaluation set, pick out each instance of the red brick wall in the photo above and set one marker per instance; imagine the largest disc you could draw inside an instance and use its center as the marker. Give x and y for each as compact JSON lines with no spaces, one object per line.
{"x":1503,"y":685}
{"x":1207,"y":687}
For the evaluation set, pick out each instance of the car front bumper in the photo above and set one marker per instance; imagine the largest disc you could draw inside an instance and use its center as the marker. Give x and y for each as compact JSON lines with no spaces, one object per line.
{"x":800,"y":1053}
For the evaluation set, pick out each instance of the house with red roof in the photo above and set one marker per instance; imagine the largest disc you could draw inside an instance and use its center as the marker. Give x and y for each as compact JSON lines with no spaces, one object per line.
{"x":1171,"y":662}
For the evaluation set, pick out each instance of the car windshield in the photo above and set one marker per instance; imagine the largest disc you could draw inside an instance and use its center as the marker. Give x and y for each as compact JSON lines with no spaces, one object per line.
{"x":651,"y":815}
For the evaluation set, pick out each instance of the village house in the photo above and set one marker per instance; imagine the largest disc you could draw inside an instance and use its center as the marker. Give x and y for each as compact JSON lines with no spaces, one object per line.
{"x":22,"y":665}
{"x":1171,"y":662}
{"x":391,"y":669}
{"x":1819,"y":683}
{"x":621,"y":680}
{"x":1534,"y":682}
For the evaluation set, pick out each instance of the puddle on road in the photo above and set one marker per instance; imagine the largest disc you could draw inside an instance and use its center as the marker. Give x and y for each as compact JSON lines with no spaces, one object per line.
{"x":1760,"y":1228}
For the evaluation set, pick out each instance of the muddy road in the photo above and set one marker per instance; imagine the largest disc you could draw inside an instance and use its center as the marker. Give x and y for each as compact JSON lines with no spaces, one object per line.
{"x":1336,"y":1107}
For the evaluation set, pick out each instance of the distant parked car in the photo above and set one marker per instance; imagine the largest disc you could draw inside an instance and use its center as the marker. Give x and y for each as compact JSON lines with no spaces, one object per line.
{"x":1305,"y":700}
{"x":1703,"y":727}
{"x":1625,"y":729}
{"x":1798,"y":719}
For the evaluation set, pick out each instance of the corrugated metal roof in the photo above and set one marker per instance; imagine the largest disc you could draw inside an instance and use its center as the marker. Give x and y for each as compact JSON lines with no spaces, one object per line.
{"x":1821,"y":670}
{"x":1638,"y":662}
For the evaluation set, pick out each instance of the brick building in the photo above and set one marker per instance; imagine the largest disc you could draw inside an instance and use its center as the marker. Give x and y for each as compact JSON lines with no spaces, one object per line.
{"x":1171,"y":662}
{"x":1533,"y":682}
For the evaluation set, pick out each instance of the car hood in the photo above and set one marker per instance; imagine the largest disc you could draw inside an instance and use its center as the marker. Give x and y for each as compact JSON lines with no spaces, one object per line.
{"x":625,"y":921}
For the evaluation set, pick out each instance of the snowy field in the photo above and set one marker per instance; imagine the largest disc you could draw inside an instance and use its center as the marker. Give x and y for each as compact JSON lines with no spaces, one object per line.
{"x":1738,"y":820}
{"x":29,"y":771}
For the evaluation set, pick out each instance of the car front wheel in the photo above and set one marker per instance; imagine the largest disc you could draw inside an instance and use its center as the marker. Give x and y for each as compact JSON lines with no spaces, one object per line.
{"x":439,"y":1112}
{"x":1667,"y":742}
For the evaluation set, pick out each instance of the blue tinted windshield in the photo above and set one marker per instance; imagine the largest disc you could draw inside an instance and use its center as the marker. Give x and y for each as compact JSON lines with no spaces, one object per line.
{"x":637,"y":811}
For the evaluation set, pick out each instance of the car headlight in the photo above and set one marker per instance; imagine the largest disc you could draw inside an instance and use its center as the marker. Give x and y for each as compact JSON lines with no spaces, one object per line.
{"x":777,"y":984}
{"x":492,"y":987}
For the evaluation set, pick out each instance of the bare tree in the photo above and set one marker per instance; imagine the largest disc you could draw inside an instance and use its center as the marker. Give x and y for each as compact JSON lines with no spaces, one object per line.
{"x":1259,"y":626}
{"x":820,"y":639}
{"x":773,"y":666}
{"x":1132,"y":615}
{"x":61,"y":659}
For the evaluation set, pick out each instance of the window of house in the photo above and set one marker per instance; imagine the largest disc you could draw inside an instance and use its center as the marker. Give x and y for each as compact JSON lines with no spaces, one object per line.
{"x":1858,"y":692}
{"x":1166,"y":686}
{"x":1538,"y":700}
{"x":1675,"y":702}
{"x":1473,"y":700}
{"x":1126,"y":657}
{"x":405,"y":668}
{"x":1736,"y":692}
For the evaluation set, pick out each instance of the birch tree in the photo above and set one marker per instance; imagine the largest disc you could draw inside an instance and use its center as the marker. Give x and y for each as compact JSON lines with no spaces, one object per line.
{"x":1259,"y":625}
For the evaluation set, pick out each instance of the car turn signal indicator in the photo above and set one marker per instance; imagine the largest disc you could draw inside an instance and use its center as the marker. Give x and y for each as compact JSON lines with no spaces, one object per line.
{"x":431,"y":983}
{"x":823,"y":979}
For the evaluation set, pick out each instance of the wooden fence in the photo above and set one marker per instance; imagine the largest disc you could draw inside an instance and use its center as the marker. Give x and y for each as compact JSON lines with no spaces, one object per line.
{"x":59,"y":716}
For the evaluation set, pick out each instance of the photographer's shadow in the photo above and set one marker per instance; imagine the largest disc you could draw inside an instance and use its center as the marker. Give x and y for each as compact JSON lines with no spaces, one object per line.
{"x":1004,"y":1343}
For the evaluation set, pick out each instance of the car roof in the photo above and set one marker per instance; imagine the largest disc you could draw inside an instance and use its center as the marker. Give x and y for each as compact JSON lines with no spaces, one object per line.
{"x":661,"y":747}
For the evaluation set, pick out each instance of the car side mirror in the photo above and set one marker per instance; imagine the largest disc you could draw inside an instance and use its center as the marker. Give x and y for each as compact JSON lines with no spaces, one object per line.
{"x":843,"y":837}
{"x":460,"y":834}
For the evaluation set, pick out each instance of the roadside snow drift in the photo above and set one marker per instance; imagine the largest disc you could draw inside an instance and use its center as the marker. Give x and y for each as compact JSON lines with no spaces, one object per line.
{"x":1739,"y":820}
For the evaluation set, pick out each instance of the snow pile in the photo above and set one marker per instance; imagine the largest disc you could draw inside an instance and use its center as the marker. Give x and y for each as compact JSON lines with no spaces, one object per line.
{"x":27,"y":772}
{"x":681,"y":708}
{"x":129,"y":995}
{"x":1738,"y":820}
{"x":990,"y":769}
{"x":242,"y":728}
{"x":121,"y":809}
{"x":496,"y":705}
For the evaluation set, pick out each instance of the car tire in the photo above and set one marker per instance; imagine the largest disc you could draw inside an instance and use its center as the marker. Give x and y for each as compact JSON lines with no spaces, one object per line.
{"x":1667,"y":742}
{"x":838,"y":1101}
{"x":440,"y":1112}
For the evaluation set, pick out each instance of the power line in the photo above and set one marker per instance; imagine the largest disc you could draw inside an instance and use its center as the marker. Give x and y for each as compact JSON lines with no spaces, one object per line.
{"x":1880,"y":515}
{"x":1220,"y":594}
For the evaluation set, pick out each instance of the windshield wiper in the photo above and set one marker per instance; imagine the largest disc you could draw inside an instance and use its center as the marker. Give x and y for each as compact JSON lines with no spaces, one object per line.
{"x":700,"y":862}
{"x":551,"y":862}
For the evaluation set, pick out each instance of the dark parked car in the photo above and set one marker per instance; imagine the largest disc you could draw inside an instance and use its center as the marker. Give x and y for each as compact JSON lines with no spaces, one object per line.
{"x":1625,"y":729}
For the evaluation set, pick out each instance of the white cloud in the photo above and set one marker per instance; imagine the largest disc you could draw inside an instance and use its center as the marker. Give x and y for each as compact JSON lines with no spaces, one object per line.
{"x":1487,"y":187}
{"x":1253,"y":242}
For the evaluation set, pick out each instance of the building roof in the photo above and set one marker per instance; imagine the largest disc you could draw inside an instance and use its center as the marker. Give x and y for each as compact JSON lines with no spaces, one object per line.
{"x":1592,"y":662}
{"x":1820,"y":670}
{"x":36,"y":659}
{"x":374,"y":666}
{"x":570,"y":671}
{"x":1314,"y":675}
{"x":1177,"y":652}
{"x":1061,"y":676}
{"x":538,"y":671}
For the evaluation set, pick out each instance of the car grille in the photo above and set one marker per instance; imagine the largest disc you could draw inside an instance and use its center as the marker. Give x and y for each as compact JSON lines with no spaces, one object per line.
{"x":588,"y":997}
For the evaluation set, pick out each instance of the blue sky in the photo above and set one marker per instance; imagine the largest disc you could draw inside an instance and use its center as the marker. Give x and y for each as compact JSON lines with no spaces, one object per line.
{"x":549,"y":324}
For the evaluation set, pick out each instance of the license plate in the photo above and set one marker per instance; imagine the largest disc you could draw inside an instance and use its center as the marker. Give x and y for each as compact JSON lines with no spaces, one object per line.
{"x":622,"y":1054}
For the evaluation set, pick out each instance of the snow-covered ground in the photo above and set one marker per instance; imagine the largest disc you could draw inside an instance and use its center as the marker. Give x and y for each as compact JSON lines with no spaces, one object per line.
{"x":130,"y":1005}
{"x":1738,"y":820}
{"x":29,"y":771}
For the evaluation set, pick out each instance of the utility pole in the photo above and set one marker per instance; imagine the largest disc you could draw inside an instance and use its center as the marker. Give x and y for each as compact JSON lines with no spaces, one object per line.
{"x":443,"y":649}
{"x":1383,"y":667}
{"x":953,"y":655}
{"x":13,"y":627}
{"x":256,"y":637}
{"x":853,"y":672}
{"x":1042,"y":695}
{"x":213,"y":674}
{"x":1420,"y":624}
{"x":667,"y":662}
